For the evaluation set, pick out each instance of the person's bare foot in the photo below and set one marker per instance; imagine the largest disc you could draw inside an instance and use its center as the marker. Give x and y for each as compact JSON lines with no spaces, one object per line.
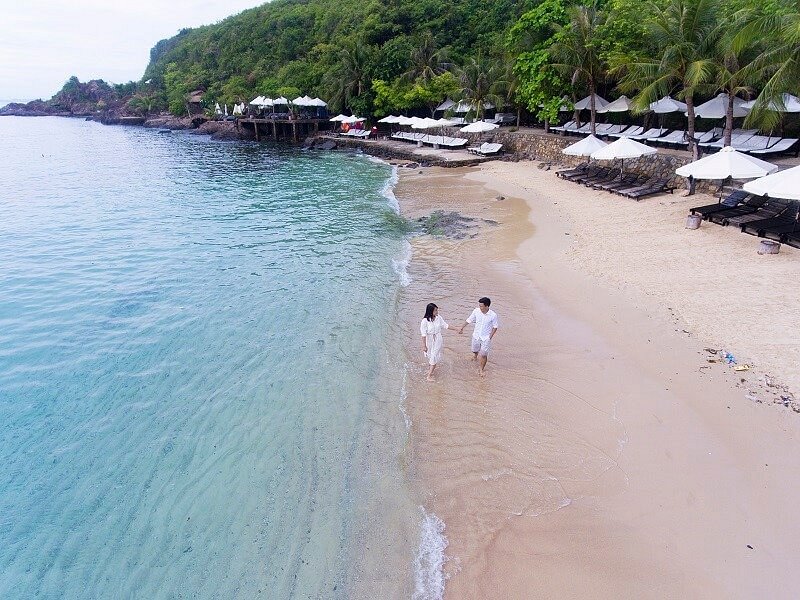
{"x":429,"y":378}
{"x":481,"y":372}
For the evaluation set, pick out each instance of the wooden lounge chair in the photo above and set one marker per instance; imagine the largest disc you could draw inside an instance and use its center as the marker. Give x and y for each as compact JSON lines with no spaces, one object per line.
{"x":735,"y":198}
{"x":658,"y":186}
{"x":622,"y":180}
{"x":580,"y":169}
{"x":594,"y":175}
{"x":792,"y":239}
{"x":748,"y":207}
{"x":771,"y":208}
{"x":609,"y":178}
{"x":781,"y":224}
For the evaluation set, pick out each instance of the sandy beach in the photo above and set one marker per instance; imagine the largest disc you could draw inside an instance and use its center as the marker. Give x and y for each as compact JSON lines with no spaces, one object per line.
{"x":603,"y":456}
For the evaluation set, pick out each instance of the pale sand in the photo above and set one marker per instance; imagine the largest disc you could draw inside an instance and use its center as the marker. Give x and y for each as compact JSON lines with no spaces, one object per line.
{"x":602,"y":456}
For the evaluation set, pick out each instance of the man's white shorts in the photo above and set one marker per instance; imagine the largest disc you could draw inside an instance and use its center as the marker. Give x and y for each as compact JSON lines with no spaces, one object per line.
{"x":481,"y":346}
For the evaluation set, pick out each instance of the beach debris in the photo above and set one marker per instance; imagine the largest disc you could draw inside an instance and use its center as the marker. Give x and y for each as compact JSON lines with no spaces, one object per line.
{"x":728,"y":357}
{"x":709,"y":350}
{"x":749,"y":546}
{"x":499,"y":198}
{"x":741,"y":367}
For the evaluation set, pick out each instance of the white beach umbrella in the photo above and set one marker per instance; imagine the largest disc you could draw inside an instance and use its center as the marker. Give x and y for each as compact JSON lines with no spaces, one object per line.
{"x":425,"y":123}
{"x":599,"y":102}
{"x":445,"y":122}
{"x":318,"y":102}
{"x":791,"y":104}
{"x":783,"y":184}
{"x":402,"y":120}
{"x":727,"y":163}
{"x":257,"y":100}
{"x":667,"y":105}
{"x":338,"y":118}
{"x":353,"y":119}
{"x":623,"y":148}
{"x":267,"y":102}
{"x":299,"y":101}
{"x":446,"y":105}
{"x":479,"y":127}
{"x":621,"y":104}
{"x":584,"y":147}
{"x":717,"y":108}
{"x":388,"y":119}
{"x":280,"y":100}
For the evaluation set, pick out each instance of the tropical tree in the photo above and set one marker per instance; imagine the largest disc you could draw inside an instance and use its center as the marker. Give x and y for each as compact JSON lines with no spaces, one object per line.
{"x":352,"y":79}
{"x":733,"y":71}
{"x":427,"y":61}
{"x":678,"y":56}
{"x":483,"y":82}
{"x":576,"y":51}
{"x":778,"y":65}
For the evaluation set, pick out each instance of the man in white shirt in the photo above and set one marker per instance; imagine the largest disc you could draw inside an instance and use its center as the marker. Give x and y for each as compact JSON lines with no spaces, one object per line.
{"x":485,"y":321}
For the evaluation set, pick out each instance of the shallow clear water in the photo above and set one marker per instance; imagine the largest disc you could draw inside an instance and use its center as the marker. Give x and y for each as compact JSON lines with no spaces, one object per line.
{"x":195,"y":343}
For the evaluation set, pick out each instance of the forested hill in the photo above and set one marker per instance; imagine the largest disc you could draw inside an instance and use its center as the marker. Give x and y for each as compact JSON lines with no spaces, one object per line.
{"x":334,"y":49}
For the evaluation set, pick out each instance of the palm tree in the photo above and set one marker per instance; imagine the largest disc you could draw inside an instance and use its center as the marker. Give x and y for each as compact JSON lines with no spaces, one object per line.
{"x":575,"y":53}
{"x":733,"y":72}
{"x":779,"y":63}
{"x":681,"y":38}
{"x":427,"y":61}
{"x":352,"y":78}
{"x":483,"y":82}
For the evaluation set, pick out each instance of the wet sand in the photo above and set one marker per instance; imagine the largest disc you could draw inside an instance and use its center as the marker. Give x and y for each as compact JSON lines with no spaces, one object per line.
{"x":602,"y":456}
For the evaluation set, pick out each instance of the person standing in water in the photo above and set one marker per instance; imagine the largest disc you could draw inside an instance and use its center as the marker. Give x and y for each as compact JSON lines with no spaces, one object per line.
{"x":431,"y":330}
{"x":485,"y":321}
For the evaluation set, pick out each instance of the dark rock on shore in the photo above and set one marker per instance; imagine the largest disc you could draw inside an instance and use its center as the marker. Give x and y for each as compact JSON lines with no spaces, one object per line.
{"x":448,"y":224}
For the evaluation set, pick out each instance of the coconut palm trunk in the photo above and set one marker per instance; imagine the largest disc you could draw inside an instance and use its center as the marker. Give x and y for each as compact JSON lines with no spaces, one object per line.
{"x":729,"y":120}
{"x":690,"y":127}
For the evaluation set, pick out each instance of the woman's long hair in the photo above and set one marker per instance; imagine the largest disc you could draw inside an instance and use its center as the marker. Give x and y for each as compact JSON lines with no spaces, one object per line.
{"x":429,"y":311}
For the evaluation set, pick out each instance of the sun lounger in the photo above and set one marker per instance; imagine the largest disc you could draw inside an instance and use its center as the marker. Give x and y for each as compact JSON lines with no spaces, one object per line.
{"x":771,"y":208}
{"x":674,"y":137}
{"x":580,"y":169}
{"x":653,"y":133}
{"x":577,"y":173}
{"x":783,"y":223}
{"x":736,"y":140}
{"x":565,"y":126}
{"x":658,"y":186}
{"x":735,"y":198}
{"x":780,"y":147}
{"x":597,"y":173}
{"x":627,"y":184}
{"x":610,"y":176}
{"x":622,"y":180}
{"x":628,"y":131}
{"x":748,"y":207}
{"x":792,"y":239}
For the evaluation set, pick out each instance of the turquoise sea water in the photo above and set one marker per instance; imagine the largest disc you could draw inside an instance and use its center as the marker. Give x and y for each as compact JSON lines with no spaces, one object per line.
{"x":199,"y":387}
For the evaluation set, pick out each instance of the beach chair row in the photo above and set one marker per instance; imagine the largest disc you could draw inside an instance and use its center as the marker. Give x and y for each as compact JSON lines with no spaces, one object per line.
{"x":743,"y":140}
{"x":771,"y":218}
{"x":356,"y":133}
{"x":486,"y":149}
{"x":434,"y":140}
{"x":616,"y":181}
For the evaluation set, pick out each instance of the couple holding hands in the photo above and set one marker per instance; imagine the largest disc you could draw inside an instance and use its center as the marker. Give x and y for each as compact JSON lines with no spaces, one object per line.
{"x":432,"y":327}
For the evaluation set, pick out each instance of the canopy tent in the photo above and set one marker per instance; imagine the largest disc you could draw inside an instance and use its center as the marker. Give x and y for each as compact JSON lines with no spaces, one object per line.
{"x":717,"y":108}
{"x":446,"y":105}
{"x":257,"y":100}
{"x":621,"y":104}
{"x":479,"y":127}
{"x":727,"y":163}
{"x":318,"y":103}
{"x":584,"y":103}
{"x":667,"y":105}
{"x":623,"y":148}
{"x":783,"y":184}
{"x":280,"y":100}
{"x":791,"y":104}
{"x":584,"y":147}
{"x":300,"y":101}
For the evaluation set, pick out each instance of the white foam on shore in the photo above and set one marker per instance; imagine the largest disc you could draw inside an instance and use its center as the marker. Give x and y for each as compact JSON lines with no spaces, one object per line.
{"x":400,"y":264}
{"x":429,"y":577}
{"x":387,"y":191}
{"x":404,"y":397}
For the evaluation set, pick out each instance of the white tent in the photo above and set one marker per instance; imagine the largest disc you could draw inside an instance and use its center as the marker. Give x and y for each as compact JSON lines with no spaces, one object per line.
{"x":585,"y":147}
{"x":317,"y":102}
{"x":717,"y":108}
{"x":257,"y":100}
{"x":621,"y":104}
{"x":623,"y":148}
{"x":599,"y":102}
{"x":267,"y":102}
{"x":727,"y":163}
{"x":783,"y":184}
{"x":280,"y":100}
{"x":446,"y":105}
{"x":479,"y":127}
{"x":791,"y":104}
{"x":667,"y":105}
{"x":300,"y":101}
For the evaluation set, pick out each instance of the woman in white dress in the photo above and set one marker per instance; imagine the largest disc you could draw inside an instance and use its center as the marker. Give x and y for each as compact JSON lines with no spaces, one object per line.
{"x":431,"y":329}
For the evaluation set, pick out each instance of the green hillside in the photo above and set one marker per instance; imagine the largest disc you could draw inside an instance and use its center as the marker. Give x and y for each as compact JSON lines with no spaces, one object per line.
{"x":329,"y":48}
